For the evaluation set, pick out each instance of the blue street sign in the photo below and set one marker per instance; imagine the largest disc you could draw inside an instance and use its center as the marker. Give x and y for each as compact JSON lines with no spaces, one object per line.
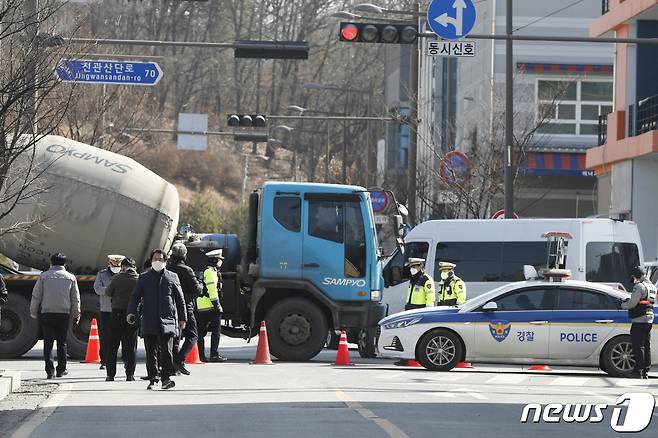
{"x":451,"y":19}
{"x":93,"y":71}
{"x":379,"y":201}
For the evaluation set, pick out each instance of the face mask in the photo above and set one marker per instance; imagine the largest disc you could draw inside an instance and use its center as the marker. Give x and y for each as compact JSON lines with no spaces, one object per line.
{"x":445,"y":275}
{"x":413,"y":271}
{"x":219,"y":264}
{"x":158,"y":266}
{"x":115,"y":269}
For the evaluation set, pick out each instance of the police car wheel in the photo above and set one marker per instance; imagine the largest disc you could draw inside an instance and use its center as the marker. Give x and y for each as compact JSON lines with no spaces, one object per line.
{"x":617,"y":357}
{"x":439,"y":350}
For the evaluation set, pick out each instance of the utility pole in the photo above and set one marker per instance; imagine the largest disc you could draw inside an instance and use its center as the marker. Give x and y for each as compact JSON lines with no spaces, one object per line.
{"x":509,"y":116}
{"x":412,"y":163}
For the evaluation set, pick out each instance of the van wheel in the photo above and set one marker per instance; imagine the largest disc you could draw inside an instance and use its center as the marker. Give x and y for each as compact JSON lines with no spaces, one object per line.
{"x":18,"y":331}
{"x":439,"y":350}
{"x":617,"y":357}
{"x":367,"y":343}
{"x":297,"y":329}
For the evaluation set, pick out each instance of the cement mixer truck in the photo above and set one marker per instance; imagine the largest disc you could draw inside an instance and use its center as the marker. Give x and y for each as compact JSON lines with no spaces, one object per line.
{"x":311,"y":264}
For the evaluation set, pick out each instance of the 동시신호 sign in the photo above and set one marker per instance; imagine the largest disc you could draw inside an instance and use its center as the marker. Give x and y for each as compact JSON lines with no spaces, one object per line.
{"x":459,"y":49}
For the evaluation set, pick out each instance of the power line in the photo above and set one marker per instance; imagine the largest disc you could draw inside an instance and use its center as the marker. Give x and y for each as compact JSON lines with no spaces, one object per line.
{"x":557,"y":11}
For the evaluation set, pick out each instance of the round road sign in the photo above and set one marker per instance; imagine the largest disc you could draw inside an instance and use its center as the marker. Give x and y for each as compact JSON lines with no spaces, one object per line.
{"x":455,"y":169}
{"x":500,"y":214}
{"x":451,"y":19}
{"x":379,"y":201}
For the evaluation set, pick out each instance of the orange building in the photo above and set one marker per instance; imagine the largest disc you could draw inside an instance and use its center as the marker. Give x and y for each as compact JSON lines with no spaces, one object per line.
{"x":626,"y":160}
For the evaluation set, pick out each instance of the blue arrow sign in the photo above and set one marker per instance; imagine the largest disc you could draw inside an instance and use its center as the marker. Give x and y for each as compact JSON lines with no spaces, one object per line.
{"x":109,"y":72}
{"x":451,"y":19}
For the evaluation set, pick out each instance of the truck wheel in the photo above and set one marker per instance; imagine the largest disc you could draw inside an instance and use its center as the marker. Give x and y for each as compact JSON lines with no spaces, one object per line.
{"x":439,"y":350}
{"x":297,"y":329}
{"x":18,"y":332}
{"x":76,"y":341}
{"x":367,"y":342}
{"x":333,"y":339}
{"x":617,"y":357}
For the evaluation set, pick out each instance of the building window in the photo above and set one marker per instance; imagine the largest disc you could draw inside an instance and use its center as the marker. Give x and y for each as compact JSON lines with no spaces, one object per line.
{"x":572,"y":107}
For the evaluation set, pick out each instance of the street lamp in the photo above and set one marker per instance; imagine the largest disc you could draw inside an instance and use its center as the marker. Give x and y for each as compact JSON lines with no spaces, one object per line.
{"x":292,"y":145}
{"x":297,"y":108}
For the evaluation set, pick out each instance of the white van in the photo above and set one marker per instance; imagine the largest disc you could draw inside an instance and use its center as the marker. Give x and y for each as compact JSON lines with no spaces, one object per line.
{"x":491,"y":253}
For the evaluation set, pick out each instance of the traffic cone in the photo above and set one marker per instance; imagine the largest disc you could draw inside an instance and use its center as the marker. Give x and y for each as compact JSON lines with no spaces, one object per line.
{"x":263,"y":349}
{"x":413,"y":363}
{"x":540,"y":368}
{"x":193,"y":356}
{"x":464,"y":365}
{"x":93,"y":354}
{"x":343,"y":354}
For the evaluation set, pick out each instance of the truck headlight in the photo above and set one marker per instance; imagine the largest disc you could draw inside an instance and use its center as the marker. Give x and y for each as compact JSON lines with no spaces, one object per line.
{"x":402,"y":323}
{"x":375,"y":295}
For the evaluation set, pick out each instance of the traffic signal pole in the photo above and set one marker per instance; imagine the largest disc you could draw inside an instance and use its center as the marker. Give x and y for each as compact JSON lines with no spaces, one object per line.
{"x":509,"y":115}
{"x":412,"y":162}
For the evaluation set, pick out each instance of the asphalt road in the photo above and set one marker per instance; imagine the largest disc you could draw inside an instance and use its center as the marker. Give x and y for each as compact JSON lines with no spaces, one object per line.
{"x":373,"y":398}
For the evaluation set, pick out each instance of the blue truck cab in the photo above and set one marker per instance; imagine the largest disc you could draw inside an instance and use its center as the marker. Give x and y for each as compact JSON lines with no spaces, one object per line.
{"x":317,"y":265}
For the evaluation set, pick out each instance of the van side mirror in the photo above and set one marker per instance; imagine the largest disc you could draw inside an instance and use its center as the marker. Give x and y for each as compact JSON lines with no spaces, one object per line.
{"x":490,"y":307}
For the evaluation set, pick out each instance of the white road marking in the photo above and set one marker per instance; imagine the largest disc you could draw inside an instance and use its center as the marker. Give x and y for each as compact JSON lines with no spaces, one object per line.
{"x":46,"y":410}
{"x":449,"y":377}
{"x":506,"y":379}
{"x":391,"y":429}
{"x":569,"y":381}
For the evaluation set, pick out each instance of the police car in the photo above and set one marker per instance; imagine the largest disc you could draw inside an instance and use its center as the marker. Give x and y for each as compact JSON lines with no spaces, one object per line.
{"x":530,"y":322}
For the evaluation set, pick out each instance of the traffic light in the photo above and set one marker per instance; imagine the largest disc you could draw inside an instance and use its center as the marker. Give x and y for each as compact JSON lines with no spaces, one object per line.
{"x":247,"y":120}
{"x":386,"y":33}
{"x":257,"y":49}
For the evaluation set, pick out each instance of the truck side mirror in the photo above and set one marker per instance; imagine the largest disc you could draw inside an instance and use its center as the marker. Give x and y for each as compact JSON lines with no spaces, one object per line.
{"x":396,"y":273}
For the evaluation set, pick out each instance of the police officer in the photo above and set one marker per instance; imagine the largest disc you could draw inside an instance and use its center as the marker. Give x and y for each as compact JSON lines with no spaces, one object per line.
{"x":421,"y":286}
{"x":453,"y":289}
{"x":191,"y":290}
{"x":103,"y":278}
{"x":209,"y":310}
{"x":640,"y":310}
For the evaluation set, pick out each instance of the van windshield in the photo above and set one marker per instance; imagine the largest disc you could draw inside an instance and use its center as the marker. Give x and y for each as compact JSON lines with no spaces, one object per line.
{"x":611,"y":262}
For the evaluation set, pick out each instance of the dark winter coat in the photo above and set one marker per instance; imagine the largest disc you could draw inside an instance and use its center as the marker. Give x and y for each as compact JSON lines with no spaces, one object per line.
{"x":188,"y":281}
{"x":162,"y":302}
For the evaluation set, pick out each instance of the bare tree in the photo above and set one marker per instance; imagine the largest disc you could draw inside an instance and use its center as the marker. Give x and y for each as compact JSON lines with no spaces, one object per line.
{"x":31,"y":102}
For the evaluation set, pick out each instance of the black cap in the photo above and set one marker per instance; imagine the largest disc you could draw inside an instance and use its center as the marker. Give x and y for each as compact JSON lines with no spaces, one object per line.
{"x":637,"y":272}
{"x":128,"y":262}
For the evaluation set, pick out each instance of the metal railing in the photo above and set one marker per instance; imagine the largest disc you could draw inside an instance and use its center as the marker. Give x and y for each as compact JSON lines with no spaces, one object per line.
{"x":603,"y":129}
{"x":646,"y":115}
{"x":605,"y":6}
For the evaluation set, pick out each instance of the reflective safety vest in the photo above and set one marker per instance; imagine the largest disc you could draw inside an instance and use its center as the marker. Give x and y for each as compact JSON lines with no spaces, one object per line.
{"x":645,"y":306}
{"x":210,"y":299}
{"x":453,"y":292}
{"x":420,"y":293}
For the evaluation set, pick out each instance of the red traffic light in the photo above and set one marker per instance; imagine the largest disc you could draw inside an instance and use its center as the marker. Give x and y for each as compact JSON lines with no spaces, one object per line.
{"x":349,"y":32}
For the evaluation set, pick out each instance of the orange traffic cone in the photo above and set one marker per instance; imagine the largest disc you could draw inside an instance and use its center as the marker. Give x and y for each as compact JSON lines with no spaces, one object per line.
{"x":343,"y":354}
{"x":464,"y":365}
{"x":263,"y":349}
{"x":193,"y":356}
{"x":93,"y":354}
{"x":540,"y":368}
{"x":413,"y":363}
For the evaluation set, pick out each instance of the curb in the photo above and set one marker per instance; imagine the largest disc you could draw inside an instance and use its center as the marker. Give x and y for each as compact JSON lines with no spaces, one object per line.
{"x":10,"y":381}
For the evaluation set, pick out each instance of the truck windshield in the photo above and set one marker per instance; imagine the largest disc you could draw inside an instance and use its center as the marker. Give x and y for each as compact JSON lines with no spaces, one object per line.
{"x":611,"y":262}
